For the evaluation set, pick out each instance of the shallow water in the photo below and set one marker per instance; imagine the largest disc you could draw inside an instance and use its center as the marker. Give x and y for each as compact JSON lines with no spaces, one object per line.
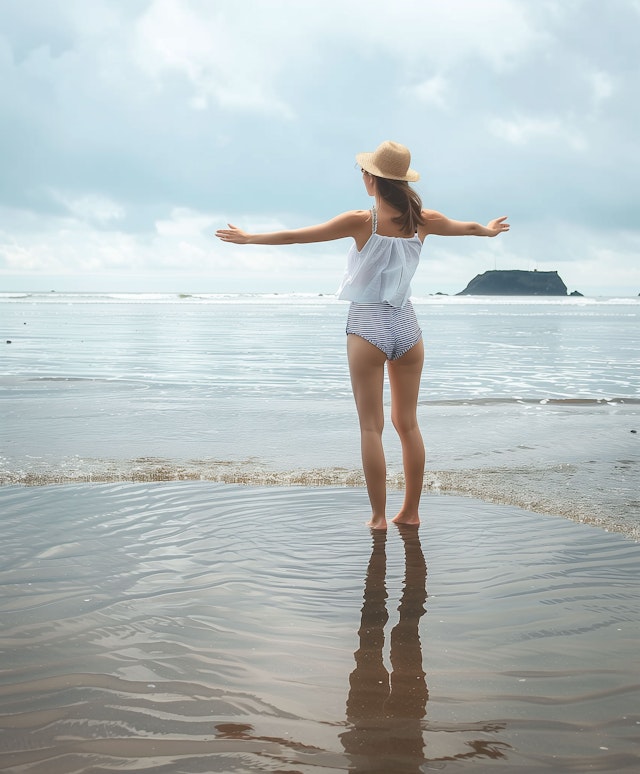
{"x":198,"y":627}
{"x":531,"y":402}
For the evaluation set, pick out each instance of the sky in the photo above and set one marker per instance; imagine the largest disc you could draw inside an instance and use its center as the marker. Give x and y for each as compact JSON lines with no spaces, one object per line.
{"x":131,"y":129}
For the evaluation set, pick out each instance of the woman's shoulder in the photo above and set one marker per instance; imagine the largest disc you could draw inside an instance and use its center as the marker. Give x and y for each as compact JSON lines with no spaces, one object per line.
{"x":430,"y":218}
{"x":357,"y":220}
{"x":431,"y":214}
{"x":358,"y":216}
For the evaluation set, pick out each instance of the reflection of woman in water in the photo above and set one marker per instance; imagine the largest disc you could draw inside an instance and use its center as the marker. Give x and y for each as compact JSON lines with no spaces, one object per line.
{"x":385,"y":711}
{"x":385,"y":725}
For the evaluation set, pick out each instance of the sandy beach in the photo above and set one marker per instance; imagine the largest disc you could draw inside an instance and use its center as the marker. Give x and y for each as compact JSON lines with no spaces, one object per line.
{"x":203,"y":627}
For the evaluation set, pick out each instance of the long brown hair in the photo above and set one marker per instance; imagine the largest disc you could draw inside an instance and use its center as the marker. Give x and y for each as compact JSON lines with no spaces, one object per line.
{"x":401,"y":196}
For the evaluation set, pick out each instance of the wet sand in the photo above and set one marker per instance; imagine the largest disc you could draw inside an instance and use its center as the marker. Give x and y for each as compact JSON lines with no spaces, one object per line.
{"x":204,"y":627}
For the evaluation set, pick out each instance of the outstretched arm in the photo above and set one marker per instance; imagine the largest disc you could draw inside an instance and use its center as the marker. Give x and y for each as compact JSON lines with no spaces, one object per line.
{"x":437,"y":223}
{"x":345,"y":225}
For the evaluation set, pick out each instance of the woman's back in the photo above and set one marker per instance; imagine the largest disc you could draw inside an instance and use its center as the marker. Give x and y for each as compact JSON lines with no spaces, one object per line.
{"x":381,"y":271}
{"x":385,"y":225}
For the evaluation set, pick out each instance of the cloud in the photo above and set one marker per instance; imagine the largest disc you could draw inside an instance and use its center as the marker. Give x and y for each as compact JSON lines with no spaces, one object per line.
{"x":184,"y":223}
{"x":603,"y":87}
{"x":200,"y":43}
{"x":498,"y":32}
{"x":184,"y":255}
{"x":432,"y":91}
{"x":180,"y":244}
{"x":523,"y":130}
{"x":129,"y":126}
{"x":95,"y":208}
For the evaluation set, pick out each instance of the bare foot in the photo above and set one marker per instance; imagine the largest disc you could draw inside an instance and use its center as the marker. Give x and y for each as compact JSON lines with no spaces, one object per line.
{"x":406,"y":519}
{"x":377,"y":522}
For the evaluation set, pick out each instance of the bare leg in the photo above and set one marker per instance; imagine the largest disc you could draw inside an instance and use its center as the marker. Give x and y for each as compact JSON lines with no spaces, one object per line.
{"x":366,"y":366}
{"x":404,"y":376}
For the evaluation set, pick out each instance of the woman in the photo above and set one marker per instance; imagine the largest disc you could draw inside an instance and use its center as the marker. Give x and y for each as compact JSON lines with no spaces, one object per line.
{"x":382,"y":326}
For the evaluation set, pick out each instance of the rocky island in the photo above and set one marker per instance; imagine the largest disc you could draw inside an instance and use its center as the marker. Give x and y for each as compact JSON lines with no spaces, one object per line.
{"x":514,"y":282}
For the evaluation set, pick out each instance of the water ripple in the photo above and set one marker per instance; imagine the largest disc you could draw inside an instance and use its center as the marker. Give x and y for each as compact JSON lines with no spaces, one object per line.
{"x":201,"y":627}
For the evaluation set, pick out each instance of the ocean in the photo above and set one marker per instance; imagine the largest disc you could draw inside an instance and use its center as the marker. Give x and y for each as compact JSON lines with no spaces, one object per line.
{"x":526,"y":401}
{"x":188,"y":584}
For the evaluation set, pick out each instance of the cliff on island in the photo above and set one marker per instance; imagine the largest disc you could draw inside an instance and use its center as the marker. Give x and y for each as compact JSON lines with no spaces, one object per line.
{"x":514,"y":282}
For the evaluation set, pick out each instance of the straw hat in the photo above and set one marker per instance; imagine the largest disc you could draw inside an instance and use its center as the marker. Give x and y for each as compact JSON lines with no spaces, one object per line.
{"x":390,"y":160}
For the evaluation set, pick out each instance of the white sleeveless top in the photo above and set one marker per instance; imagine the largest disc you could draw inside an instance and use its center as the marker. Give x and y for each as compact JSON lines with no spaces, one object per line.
{"x":382,"y":270}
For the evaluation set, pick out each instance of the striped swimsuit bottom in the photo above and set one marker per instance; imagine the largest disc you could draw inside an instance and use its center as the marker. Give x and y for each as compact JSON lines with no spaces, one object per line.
{"x":392,"y":329}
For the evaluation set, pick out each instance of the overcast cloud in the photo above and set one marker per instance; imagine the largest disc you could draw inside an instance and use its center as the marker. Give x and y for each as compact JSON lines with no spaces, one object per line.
{"x":132,"y":129}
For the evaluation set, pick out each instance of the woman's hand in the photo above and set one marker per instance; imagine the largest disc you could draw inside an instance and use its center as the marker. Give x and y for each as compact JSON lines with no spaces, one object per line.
{"x":233,"y":234}
{"x":498,"y":226}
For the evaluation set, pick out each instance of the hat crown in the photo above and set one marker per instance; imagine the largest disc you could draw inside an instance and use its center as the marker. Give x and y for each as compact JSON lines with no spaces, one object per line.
{"x":392,"y":159}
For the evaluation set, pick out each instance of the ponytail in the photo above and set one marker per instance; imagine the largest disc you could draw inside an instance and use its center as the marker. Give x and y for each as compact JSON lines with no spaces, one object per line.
{"x":399,"y":195}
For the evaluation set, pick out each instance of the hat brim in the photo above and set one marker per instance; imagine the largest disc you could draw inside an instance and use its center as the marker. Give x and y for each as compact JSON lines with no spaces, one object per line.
{"x":365,"y":160}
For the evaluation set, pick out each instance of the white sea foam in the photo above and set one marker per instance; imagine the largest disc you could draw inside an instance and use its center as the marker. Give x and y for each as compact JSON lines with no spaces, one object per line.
{"x":320,"y":298}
